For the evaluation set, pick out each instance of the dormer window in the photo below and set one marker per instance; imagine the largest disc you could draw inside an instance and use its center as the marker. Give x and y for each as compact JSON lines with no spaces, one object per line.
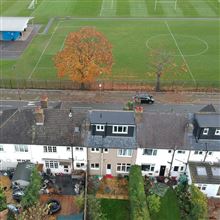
{"x":217,"y":132}
{"x":100,"y":128}
{"x":205,"y":131}
{"x":120,"y":129}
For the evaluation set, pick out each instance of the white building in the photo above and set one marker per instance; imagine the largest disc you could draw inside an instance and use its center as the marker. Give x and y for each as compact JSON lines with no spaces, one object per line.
{"x":51,"y":137}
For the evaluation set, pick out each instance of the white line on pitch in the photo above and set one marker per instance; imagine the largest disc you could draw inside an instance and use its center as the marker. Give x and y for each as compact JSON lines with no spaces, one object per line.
{"x":168,"y":27}
{"x":55,"y":29}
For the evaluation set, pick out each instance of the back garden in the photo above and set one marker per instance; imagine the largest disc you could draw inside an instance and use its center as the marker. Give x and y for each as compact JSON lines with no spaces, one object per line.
{"x":135,"y":197}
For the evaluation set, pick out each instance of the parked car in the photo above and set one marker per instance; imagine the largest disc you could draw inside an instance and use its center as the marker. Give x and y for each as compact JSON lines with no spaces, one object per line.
{"x":143,"y":98}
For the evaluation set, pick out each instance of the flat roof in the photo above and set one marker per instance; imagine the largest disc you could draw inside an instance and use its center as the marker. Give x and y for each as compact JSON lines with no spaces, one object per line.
{"x":112,"y":117}
{"x":208,"y":119}
{"x":14,"y":23}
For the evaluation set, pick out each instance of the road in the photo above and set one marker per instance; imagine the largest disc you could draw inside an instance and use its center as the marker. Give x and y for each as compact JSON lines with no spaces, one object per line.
{"x":162,"y":107}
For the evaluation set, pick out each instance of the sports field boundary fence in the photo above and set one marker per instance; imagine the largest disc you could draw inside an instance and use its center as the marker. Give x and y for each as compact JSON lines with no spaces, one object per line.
{"x":110,"y":85}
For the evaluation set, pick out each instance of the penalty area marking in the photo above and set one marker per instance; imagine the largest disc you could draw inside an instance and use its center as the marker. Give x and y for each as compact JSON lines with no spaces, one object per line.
{"x":168,"y":27}
{"x":184,"y":36}
{"x":48,"y":42}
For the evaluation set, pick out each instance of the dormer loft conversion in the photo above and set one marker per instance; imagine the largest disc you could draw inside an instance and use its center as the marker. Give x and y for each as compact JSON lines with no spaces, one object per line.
{"x":112,"y":123}
{"x":207,"y":126}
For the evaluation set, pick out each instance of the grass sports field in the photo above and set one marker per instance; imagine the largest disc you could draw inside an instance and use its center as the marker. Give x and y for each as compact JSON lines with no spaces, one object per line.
{"x":188,"y":28}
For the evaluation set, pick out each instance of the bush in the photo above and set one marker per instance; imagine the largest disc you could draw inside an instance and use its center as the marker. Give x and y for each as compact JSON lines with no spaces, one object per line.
{"x":32,"y":191}
{"x":3,"y":204}
{"x":94,"y":209}
{"x":137,"y":197}
{"x":153,"y":202}
{"x":80,"y":201}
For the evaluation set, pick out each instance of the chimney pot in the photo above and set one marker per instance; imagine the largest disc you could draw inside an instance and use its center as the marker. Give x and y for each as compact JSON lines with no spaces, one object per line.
{"x":44,"y":101}
{"x":39,"y":116}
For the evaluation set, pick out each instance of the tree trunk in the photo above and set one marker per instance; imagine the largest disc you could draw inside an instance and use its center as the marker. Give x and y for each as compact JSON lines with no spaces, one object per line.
{"x":157,"y":88}
{"x":82,"y":86}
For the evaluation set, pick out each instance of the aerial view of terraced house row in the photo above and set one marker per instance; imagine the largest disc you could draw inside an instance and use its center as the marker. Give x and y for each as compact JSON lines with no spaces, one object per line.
{"x":109,"y":109}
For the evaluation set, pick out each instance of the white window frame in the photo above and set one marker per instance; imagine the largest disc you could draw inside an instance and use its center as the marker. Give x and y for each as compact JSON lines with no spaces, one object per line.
{"x":124,"y":152}
{"x":50,"y":149}
{"x":105,"y":150}
{"x":205,"y":131}
{"x":151,"y":167}
{"x":177,"y":169}
{"x":100,"y":127}
{"x":68,"y":148}
{"x":153,"y":152}
{"x":22,"y":160}
{"x":94,"y":167}
{"x":181,"y":151}
{"x":21,"y":148}
{"x":51,"y":164}
{"x":115,"y":129}
{"x":123,"y":167}
{"x":1,"y":148}
{"x":80,"y":165}
{"x":95,"y":150}
{"x":78,"y":148}
{"x":217,"y":132}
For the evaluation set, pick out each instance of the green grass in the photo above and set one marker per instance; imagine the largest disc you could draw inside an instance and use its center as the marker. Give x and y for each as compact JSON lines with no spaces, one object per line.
{"x":198,"y":40}
{"x":169,"y":209}
{"x":115,"y":209}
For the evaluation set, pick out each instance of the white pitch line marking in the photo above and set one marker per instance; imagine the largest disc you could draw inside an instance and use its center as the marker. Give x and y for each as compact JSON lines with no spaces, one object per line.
{"x":35,"y":67}
{"x":168,"y":27}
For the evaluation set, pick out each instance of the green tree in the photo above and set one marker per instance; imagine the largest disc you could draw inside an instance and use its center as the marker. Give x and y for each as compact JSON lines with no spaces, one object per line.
{"x":94,"y":209}
{"x":137,"y":197}
{"x":3,"y":204}
{"x":153,"y":202}
{"x":32,"y":192}
{"x":199,"y":205}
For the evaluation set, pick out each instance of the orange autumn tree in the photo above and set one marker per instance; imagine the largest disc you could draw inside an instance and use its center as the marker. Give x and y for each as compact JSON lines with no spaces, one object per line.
{"x":87,"y":53}
{"x":162,"y":62}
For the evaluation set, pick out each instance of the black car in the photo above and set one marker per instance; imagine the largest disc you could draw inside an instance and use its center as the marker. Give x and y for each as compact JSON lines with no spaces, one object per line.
{"x":143,"y":98}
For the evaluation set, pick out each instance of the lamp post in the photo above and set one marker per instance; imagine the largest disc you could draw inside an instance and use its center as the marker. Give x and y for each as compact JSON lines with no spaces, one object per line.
{"x":100,"y":88}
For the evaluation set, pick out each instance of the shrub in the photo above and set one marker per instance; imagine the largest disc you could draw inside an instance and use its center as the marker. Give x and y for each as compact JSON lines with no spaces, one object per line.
{"x":153,"y":202}
{"x":137,"y":197}
{"x":94,"y":209}
{"x":3,"y":204}
{"x":32,"y":191}
{"x":80,"y":201}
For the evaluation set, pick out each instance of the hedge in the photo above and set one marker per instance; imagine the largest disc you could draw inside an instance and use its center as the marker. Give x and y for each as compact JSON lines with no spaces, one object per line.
{"x":137,"y":197}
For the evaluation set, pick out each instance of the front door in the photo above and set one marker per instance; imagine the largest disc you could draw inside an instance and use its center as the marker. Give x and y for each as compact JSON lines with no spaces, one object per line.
{"x":108,"y":168}
{"x":162,"y":170}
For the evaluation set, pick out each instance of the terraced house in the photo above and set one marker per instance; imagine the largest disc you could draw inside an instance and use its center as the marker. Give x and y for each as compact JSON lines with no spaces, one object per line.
{"x":107,"y":142}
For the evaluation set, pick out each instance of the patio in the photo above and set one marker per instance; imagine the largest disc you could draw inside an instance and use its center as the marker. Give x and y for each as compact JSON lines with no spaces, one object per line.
{"x":68,"y":205}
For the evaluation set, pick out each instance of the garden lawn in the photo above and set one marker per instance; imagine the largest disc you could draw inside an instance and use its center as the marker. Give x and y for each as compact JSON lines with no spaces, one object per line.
{"x":169,"y":209}
{"x":115,"y":209}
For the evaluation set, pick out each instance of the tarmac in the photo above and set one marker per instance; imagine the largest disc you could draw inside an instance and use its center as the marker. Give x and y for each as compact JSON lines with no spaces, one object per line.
{"x":86,"y":96}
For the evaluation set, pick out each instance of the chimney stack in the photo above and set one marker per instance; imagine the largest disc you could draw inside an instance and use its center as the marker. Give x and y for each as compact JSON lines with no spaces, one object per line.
{"x":39,"y":116}
{"x":44,"y":101}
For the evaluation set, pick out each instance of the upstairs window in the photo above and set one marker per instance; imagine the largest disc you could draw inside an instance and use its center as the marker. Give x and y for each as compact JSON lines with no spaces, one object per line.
{"x":120,"y":129}
{"x":124,"y":152}
{"x":79,"y":148}
{"x":1,"y":148}
{"x":181,"y":151}
{"x":50,"y":149}
{"x":205,"y":131}
{"x":149,"y":152}
{"x":95,"y":150}
{"x":217,"y":132}
{"x":100,"y":128}
{"x":21,"y":148}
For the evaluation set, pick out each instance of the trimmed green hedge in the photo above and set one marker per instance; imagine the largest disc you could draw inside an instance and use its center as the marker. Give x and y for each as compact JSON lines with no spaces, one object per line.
{"x":137,"y":197}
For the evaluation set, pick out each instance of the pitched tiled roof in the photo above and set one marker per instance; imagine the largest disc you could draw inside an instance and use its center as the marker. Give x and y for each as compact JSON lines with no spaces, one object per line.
{"x":162,"y":130}
{"x":110,"y":141}
{"x":207,"y":177}
{"x":58,"y":128}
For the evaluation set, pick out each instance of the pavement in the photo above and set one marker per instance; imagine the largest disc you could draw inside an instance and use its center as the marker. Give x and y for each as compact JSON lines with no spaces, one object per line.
{"x":112,"y":97}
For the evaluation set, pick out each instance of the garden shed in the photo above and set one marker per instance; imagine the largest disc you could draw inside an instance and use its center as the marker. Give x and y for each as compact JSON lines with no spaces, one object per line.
{"x":22,"y":174}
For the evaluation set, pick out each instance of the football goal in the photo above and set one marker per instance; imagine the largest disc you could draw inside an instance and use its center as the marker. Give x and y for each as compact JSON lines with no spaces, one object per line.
{"x":172,"y":2}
